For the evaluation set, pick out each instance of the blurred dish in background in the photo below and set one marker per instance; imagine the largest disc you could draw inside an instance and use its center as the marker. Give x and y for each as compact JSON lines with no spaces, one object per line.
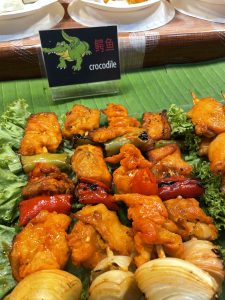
{"x":151,"y":17}
{"x":214,"y":1}
{"x":120,"y":5}
{"x":6,"y":5}
{"x":22,"y":10}
{"x":202,"y":9}
{"x":29,"y":25}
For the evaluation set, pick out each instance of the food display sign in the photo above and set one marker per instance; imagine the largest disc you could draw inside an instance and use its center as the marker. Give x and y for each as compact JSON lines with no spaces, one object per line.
{"x":84,"y":55}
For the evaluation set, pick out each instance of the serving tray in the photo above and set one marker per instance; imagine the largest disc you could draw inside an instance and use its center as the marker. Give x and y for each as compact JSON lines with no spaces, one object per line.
{"x":149,"y":90}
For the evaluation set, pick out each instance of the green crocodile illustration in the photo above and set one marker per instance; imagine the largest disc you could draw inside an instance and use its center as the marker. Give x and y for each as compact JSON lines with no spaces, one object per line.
{"x":72,"y":49}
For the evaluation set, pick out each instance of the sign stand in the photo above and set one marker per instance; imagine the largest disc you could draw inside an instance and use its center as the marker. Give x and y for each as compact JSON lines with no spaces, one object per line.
{"x":85,"y":90}
{"x":81,"y":62}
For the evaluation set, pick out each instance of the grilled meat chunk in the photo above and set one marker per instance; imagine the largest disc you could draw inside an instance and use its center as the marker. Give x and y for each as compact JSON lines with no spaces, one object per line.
{"x":157,"y":125}
{"x":79,"y":120}
{"x":47,"y":179}
{"x":41,"y":245}
{"x":88,"y":161}
{"x":42,"y":134}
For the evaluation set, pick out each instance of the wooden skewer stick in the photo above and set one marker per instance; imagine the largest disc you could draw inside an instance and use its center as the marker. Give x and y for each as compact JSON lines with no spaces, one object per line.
{"x":223,"y":94}
{"x":194,"y":98}
{"x":160,"y":251}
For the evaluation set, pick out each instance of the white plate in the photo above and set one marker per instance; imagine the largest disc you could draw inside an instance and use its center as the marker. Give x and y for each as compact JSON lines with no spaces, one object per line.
{"x":28,"y":9}
{"x":201,"y":10}
{"x":214,"y":1}
{"x":27,"y":26}
{"x":119,"y":5}
{"x":151,"y":17}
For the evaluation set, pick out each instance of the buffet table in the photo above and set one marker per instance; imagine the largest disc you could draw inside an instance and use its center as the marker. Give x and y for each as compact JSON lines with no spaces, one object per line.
{"x":185,"y":39}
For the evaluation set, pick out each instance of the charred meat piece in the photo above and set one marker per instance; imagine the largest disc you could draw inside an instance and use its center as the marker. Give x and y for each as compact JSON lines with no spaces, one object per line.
{"x":190,"y":219}
{"x":168,"y":161}
{"x":41,"y":245}
{"x":47,"y":179}
{"x":79,"y":120}
{"x":157,"y":125}
{"x":88,"y":161}
{"x":42,"y":134}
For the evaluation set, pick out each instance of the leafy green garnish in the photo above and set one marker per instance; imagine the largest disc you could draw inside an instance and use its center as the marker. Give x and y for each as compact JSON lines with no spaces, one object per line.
{"x":12,"y":123}
{"x":180,"y":124}
{"x":6,"y":280}
{"x":9,"y":159}
{"x":213,"y":199}
{"x":183,"y":128}
{"x":10,"y":195}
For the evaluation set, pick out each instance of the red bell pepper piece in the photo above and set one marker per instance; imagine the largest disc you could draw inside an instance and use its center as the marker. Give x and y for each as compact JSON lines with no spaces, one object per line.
{"x":144,"y":182}
{"x":172,"y":187}
{"x":30,"y":208}
{"x":90,"y":191}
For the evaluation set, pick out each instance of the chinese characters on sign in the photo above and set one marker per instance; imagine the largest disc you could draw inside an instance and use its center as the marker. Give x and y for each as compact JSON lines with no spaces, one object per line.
{"x":104,"y":45}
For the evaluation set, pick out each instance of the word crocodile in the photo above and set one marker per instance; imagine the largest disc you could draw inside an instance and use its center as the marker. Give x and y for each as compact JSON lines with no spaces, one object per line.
{"x":72,"y":50}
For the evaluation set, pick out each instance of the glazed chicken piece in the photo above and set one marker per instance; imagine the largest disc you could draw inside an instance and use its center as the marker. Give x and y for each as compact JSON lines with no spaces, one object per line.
{"x":117,"y":116}
{"x":119,"y":123}
{"x":131,"y":161}
{"x":151,"y":226}
{"x":41,"y":245}
{"x":117,"y":236}
{"x":208,"y":117}
{"x":216,"y":154}
{"x":157,"y":125}
{"x":88,"y":161}
{"x":42,"y":134}
{"x":190,"y":219}
{"x":86,"y":245}
{"x":80,"y":119}
{"x":168,"y":161}
{"x":47,"y":179}
{"x":105,"y":134}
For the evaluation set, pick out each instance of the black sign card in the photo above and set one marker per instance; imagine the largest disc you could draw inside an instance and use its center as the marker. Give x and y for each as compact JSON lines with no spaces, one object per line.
{"x":81,"y":55}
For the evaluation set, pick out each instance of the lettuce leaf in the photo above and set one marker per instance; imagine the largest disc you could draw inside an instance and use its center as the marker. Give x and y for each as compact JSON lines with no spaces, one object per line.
{"x":12,"y":123}
{"x":12,"y":180}
{"x":9,"y":159}
{"x":10,"y":195}
{"x":6,"y":280}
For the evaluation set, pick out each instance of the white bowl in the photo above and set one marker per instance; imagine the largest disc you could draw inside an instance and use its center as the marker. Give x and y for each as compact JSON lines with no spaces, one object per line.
{"x":119,"y":5}
{"x":214,"y":1}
